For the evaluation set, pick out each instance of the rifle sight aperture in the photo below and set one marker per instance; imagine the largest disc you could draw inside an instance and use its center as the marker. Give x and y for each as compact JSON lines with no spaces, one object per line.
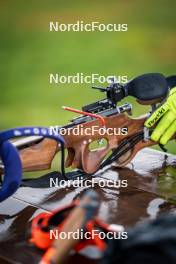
{"x":115,"y":92}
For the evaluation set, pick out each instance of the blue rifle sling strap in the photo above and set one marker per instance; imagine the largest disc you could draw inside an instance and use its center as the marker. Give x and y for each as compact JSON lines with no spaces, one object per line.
{"x":12,"y":170}
{"x":11,"y":159}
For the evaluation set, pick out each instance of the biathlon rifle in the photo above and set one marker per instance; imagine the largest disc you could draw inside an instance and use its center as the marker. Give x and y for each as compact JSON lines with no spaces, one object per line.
{"x":149,"y":89}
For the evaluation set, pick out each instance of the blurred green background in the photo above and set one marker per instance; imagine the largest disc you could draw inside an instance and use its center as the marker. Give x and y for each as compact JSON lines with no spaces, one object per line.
{"x":29,"y":53}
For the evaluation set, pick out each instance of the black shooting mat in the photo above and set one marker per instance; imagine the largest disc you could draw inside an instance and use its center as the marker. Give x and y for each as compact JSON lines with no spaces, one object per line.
{"x":150,"y":192}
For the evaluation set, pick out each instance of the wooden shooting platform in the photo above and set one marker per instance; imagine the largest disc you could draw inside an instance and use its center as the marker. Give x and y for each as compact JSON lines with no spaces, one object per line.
{"x":144,"y":198}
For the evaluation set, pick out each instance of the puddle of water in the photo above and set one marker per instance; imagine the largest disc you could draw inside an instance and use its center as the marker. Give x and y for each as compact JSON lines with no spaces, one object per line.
{"x":167,"y":183}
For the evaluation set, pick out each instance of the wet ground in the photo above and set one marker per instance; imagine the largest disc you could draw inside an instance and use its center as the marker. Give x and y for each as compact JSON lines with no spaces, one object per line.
{"x":150,"y":192}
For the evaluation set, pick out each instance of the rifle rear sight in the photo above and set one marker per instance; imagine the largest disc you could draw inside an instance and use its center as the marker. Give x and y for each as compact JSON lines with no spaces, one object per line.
{"x":148,"y":89}
{"x":115,"y":92}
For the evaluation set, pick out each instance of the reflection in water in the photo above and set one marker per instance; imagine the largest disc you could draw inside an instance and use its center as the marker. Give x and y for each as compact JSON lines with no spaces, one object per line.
{"x":154,"y":207}
{"x":150,"y":178}
{"x":167,"y":183}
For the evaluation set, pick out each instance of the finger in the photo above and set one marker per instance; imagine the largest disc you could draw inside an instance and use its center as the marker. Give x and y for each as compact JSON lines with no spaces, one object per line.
{"x":169,"y":133}
{"x":165,"y":122}
{"x":153,"y":119}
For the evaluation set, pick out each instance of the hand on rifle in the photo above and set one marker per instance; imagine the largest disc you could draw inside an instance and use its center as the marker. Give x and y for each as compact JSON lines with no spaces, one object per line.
{"x":166,"y":115}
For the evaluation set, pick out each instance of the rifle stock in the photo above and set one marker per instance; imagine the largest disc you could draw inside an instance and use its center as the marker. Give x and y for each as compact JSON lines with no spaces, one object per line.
{"x":40,"y":156}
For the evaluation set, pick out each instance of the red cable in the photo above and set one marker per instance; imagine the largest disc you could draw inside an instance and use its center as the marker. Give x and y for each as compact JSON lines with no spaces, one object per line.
{"x":101,"y":118}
